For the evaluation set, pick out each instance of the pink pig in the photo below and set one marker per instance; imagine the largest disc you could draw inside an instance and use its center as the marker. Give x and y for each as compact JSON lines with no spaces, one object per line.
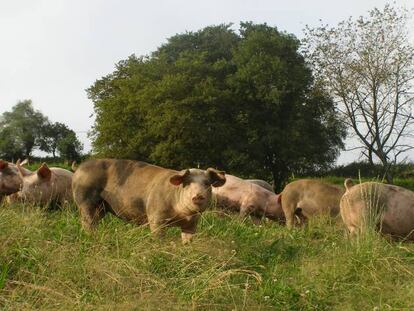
{"x":248,"y":198}
{"x":46,"y":185}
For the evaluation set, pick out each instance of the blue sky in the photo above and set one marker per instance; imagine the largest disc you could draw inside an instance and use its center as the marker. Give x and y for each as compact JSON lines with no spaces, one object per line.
{"x":52,"y":50}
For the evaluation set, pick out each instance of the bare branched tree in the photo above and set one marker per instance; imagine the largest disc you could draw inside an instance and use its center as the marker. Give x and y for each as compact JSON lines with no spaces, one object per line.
{"x":367,"y":66}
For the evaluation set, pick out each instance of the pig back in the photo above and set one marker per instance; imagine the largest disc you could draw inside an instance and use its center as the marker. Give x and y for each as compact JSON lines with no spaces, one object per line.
{"x":262,"y":183}
{"x":62,"y":184}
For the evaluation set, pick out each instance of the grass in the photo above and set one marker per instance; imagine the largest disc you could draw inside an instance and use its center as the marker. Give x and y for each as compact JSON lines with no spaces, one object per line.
{"x":48,"y":262}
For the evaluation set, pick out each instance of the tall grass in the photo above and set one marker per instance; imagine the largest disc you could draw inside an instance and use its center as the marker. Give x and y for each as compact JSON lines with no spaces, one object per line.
{"x":48,"y":262}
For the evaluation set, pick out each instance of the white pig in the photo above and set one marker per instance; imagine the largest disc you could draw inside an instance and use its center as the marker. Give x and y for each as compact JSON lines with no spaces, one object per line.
{"x":46,"y":185}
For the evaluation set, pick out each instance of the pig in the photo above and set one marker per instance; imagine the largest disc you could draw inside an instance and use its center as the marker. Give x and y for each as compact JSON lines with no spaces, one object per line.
{"x":46,"y":185}
{"x":144,"y":194}
{"x":247,"y":198}
{"x":261,"y":183}
{"x":10,"y":179}
{"x":386,"y":208}
{"x":305,"y":198}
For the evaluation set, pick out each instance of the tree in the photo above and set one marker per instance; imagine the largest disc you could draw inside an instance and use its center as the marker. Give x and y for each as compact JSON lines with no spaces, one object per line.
{"x":22,"y":126}
{"x":52,"y":134}
{"x":290,"y":127}
{"x":243,"y":102}
{"x":367,"y":66}
{"x":173,"y":108}
{"x":10,"y":148}
{"x":69,"y":147}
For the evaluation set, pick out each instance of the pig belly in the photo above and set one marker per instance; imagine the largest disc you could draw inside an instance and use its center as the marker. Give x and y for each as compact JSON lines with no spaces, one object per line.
{"x":228,"y":203}
{"x":309,"y":208}
{"x":130,"y":208}
{"x":398,"y":219}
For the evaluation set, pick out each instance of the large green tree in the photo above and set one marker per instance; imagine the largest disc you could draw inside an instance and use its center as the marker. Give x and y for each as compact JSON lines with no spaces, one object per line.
{"x":52,"y":134}
{"x":173,"y":108}
{"x":69,"y":146}
{"x":244,"y":102}
{"x":21,"y":129}
{"x":290,"y":125}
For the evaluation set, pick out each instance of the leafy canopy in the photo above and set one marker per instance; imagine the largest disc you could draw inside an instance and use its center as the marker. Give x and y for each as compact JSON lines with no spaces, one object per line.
{"x":24,"y":129}
{"x":242,"y":101}
{"x":20,"y":130}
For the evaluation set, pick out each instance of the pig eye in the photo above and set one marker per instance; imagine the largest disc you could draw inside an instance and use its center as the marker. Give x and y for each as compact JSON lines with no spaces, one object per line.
{"x":206,"y":183}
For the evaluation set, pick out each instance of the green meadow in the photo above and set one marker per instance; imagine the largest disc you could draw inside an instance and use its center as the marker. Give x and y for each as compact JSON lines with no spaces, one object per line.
{"x":47,"y":262}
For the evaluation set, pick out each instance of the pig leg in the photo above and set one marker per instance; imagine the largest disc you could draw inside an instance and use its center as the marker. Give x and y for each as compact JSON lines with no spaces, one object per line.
{"x":299,"y":216}
{"x":353,"y":231}
{"x":256,"y":220}
{"x":289,"y":210}
{"x":157,"y":227}
{"x":91,"y":206}
{"x":188,"y":230}
{"x":186,"y":237}
{"x":91,"y":215}
{"x":245,"y":211}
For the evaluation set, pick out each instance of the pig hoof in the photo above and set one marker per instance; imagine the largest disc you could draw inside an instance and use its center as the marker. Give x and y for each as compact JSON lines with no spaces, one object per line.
{"x":186,"y":242}
{"x":186,"y":238}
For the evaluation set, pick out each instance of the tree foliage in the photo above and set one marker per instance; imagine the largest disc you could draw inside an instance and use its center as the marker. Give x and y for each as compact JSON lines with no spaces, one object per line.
{"x":69,"y":146}
{"x":54,"y":134}
{"x":367,"y":66}
{"x":21,"y":129}
{"x":244,"y":102}
{"x":24,"y":129}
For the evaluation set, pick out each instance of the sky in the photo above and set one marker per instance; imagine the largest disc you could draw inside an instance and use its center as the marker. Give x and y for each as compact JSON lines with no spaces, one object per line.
{"x":52,"y":50}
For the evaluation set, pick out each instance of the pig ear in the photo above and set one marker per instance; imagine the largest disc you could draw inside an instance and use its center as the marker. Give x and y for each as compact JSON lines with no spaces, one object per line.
{"x":25,"y":161}
{"x":74,"y":166}
{"x":178,"y":179}
{"x":3,"y":164}
{"x":21,"y":171}
{"x":44,"y":172}
{"x":217,"y":178}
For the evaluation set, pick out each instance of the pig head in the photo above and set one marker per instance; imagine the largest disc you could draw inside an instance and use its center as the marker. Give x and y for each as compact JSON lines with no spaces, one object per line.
{"x":10,"y":179}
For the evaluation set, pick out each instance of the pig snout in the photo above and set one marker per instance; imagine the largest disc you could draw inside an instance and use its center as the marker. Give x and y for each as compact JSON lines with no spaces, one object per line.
{"x":199,"y":199}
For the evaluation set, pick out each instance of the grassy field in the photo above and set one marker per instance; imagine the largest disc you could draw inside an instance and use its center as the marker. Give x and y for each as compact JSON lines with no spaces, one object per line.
{"x":48,"y":262}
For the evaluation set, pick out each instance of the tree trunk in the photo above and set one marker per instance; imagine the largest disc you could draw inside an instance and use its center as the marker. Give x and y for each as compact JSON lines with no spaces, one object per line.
{"x":389,"y":177}
{"x":27,"y":152}
{"x":387,"y":173}
{"x":371,"y":161}
{"x":279,"y":180}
